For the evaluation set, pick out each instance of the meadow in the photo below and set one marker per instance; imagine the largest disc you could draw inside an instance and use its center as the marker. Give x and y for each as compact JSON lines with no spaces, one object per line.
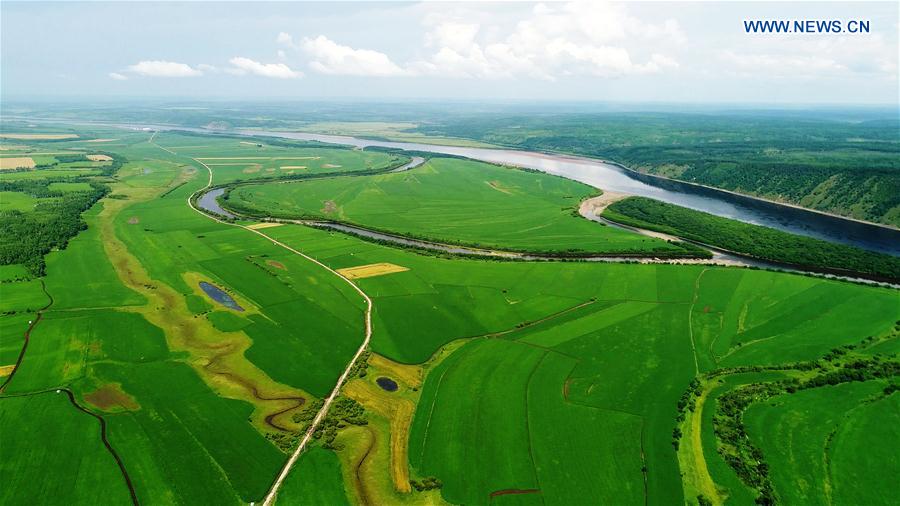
{"x":610,"y":347}
{"x":234,"y":158}
{"x":121,"y":336}
{"x":518,"y":382}
{"x":455,"y":201}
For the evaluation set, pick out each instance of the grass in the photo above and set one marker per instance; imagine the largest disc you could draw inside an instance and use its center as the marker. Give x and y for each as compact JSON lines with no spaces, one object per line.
{"x":800,"y":434}
{"x":557,"y":379}
{"x":316,"y":479}
{"x":631,"y":348}
{"x":864,"y":452}
{"x":455,"y":201}
{"x":235,"y":159}
{"x":21,"y":296}
{"x":67,"y":462}
{"x":18,"y":201}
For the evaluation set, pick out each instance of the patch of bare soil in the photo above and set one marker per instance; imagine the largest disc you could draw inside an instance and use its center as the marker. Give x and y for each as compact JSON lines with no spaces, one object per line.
{"x":134,"y":220}
{"x":276,"y":264}
{"x":19,"y":162}
{"x":330,"y":207}
{"x":595,"y":206}
{"x":499,"y":187}
{"x":111,"y":396}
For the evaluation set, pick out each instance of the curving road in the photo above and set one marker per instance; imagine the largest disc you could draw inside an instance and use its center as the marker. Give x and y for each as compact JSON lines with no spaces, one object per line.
{"x":323,"y":412}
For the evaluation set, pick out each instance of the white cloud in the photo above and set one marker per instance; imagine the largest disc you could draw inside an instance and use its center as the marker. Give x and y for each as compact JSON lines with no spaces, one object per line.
{"x":576,"y":38}
{"x":242,"y":66}
{"x":329,"y":57}
{"x":285,"y":39}
{"x":117,"y":76}
{"x":205,"y":67}
{"x":160,"y":68}
{"x":548,"y":42}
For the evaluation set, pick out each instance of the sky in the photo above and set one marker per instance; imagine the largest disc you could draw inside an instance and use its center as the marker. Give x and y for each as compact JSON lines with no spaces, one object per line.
{"x":696,"y":52}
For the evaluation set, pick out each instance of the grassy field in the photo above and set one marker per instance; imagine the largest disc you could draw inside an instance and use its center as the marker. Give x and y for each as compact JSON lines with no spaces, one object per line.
{"x":55,"y":439}
{"x":616,"y":342}
{"x":518,"y":382}
{"x":235,"y":158}
{"x":800,"y":434}
{"x":187,"y":409}
{"x":455,"y":201}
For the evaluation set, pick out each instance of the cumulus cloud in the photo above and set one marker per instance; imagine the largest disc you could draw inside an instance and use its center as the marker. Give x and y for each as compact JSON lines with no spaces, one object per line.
{"x":285,"y":39}
{"x":329,"y":57}
{"x":550,"y":41}
{"x":160,"y":68}
{"x":117,"y":76}
{"x":576,"y":38}
{"x":243,"y":66}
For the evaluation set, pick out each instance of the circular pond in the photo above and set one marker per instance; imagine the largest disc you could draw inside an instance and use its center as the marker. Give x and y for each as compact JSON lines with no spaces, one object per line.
{"x":387,"y":384}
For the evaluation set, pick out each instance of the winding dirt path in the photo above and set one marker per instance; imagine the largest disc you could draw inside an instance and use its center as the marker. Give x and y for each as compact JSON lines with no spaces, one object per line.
{"x":273,"y":491}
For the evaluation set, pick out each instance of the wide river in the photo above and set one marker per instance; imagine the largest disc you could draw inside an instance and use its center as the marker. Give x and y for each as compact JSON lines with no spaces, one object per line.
{"x":608,"y":176}
{"x":611,"y":177}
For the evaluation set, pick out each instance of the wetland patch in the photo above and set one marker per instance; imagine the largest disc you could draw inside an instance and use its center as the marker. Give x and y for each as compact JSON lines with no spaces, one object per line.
{"x":221,"y":296}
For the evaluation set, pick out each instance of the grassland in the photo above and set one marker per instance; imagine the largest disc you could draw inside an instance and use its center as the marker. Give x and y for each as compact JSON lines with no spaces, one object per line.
{"x":242,"y":158}
{"x":518,"y":382}
{"x":614,"y":347}
{"x":798,"y":433}
{"x":455,"y":201}
{"x":55,"y":438}
{"x":186,"y":408}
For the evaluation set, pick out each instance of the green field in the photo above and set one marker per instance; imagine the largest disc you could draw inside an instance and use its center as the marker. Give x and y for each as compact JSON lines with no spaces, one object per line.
{"x":806,"y":437}
{"x":55,"y":440}
{"x":242,"y":158}
{"x":533,"y":382}
{"x":455,"y":201}
{"x":630,"y":348}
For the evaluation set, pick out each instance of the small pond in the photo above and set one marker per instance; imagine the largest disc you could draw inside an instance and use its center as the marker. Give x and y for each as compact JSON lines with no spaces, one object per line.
{"x":220,"y":296}
{"x":387,"y":384}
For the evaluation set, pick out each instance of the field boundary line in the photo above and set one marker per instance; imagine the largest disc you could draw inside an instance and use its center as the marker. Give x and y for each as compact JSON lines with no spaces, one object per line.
{"x":39,"y":315}
{"x":326,"y":405}
{"x":691,"y":320}
{"x":103,"y":436}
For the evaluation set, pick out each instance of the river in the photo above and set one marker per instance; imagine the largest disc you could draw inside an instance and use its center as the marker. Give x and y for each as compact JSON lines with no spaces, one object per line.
{"x":608,"y":176}
{"x":612,"y":177}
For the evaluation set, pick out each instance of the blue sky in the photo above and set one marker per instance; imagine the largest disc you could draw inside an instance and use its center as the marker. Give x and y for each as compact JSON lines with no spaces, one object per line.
{"x":669,"y":52}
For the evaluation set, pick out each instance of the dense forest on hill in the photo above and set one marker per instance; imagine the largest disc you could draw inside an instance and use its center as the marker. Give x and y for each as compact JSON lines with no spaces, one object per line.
{"x":753,"y":240}
{"x":829,"y":163}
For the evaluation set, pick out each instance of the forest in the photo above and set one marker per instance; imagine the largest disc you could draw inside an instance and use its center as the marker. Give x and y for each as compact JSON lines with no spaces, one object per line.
{"x":753,"y":240}
{"x":26,"y":236}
